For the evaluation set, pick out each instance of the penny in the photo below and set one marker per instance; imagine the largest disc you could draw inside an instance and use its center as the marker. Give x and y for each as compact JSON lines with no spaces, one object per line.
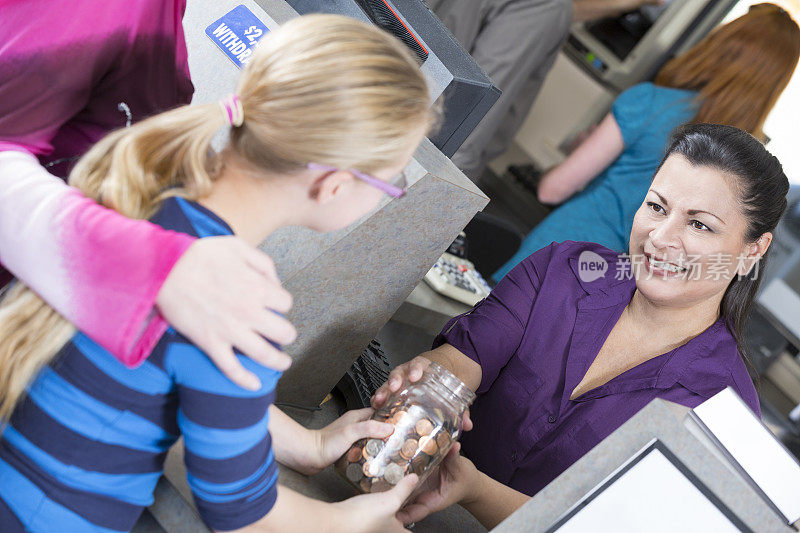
{"x":354,"y":472}
{"x":354,"y":454}
{"x":373,"y":447}
{"x":400,"y":417}
{"x":380,"y":485}
{"x":443,"y":440}
{"x":409,"y":448}
{"x":375,"y":469}
{"x":418,"y":464}
{"x":393,"y":473}
{"x":428,"y":445}
{"x":365,"y":484}
{"x":366,"y":468}
{"x":423,"y":427}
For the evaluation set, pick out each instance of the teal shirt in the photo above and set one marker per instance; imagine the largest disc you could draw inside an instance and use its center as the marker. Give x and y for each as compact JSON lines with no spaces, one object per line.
{"x":603,"y":211}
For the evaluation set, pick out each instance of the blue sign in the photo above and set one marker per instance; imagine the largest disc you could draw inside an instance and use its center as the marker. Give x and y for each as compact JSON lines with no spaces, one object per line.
{"x":236,"y":33}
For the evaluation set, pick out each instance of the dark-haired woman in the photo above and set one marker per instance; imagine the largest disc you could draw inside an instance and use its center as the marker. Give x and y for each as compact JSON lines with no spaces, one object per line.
{"x":734,"y":76}
{"x":575,"y":340}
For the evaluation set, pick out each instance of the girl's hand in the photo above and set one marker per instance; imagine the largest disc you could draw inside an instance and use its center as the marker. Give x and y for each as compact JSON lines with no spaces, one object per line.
{"x":374,"y":512}
{"x":455,"y":482}
{"x":221,"y":294}
{"x":332,"y":441}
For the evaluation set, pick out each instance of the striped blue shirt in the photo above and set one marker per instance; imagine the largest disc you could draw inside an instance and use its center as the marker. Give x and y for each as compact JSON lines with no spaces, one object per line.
{"x":84,"y":449}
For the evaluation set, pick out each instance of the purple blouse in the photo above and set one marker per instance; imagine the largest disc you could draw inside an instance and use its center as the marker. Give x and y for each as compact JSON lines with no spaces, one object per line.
{"x":535,"y":337}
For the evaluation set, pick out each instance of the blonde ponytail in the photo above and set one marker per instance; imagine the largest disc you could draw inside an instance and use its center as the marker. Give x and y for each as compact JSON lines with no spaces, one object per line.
{"x":133,"y":170}
{"x":129,"y":171}
{"x":321,"y":89}
{"x":31,"y":332}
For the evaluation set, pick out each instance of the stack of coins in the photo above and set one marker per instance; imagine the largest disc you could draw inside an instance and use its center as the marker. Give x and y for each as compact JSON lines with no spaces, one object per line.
{"x":420,"y":440}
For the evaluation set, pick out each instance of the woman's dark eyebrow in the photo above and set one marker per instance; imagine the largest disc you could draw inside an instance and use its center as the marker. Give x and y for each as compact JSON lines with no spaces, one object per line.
{"x":663,"y":200}
{"x":691,"y":211}
{"x":695,"y":211}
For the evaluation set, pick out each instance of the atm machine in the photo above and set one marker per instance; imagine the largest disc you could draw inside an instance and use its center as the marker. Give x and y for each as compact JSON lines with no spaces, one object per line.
{"x":625,"y":50}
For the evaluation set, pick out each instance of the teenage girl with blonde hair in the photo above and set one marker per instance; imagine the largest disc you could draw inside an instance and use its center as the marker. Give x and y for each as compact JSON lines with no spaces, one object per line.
{"x":326,"y":115}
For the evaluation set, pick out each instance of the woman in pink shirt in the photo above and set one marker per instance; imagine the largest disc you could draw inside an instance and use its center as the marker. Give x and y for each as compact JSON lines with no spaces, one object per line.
{"x":70,"y":72}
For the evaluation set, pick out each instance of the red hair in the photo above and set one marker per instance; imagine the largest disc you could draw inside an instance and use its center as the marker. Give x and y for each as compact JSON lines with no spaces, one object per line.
{"x":740,"y":69}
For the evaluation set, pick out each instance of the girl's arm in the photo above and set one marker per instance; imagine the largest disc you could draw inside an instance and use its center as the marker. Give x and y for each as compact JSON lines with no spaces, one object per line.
{"x":367,"y":513}
{"x":601,"y":148}
{"x":232,"y":439}
{"x":310,"y":450}
{"x":105,"y":273}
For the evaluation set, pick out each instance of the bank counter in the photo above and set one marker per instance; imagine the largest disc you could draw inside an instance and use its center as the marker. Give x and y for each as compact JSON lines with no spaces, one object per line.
{"x":714,"y":468}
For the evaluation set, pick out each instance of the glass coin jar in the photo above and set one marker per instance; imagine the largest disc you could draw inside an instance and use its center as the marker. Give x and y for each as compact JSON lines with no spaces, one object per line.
{"x":427,"y":418}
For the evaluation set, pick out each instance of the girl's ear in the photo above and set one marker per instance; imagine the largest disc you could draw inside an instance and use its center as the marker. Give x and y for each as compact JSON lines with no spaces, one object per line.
{"x":329,"y":185}
{"x":752,"y":253}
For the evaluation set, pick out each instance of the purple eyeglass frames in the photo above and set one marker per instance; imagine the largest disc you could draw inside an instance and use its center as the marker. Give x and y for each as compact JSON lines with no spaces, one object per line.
{"x":388,"y":188}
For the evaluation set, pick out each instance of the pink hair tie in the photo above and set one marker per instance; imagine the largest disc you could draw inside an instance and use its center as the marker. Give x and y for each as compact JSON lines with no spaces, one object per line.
{"x":232,"y":108}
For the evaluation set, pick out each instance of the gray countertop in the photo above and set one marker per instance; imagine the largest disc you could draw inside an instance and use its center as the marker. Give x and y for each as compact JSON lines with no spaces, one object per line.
{"x":428,"y":310}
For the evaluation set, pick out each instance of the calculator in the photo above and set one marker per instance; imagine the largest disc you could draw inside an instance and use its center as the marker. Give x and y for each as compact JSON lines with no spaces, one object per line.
{"x":458,"y":279}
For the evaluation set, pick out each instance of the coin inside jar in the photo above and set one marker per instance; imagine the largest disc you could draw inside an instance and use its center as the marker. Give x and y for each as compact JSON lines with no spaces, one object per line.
{"x":365,"y":484}
{"x":428,"y":445}
{"x":409,"y":448}
{"x":354,"y":454}
{"x":373,"y":447}
{"x":443,"y":440}
{"x":380,"y":485}
{"x":393,"y":473}
{"x":423,"y":427}
{"x":354,"y":472}
{"x":400,"y":417}
{"x":419,"y":463}
{"x":366,"y":467}
{"x":375,"y":469}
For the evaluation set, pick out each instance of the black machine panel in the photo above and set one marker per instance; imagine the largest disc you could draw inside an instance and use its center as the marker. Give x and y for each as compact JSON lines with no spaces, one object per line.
{"x":469,"y":94}
{"x":383,"y":15}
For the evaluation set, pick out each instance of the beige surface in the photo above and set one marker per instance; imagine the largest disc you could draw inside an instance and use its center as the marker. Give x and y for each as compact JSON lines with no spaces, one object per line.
{"x":345,"y":295}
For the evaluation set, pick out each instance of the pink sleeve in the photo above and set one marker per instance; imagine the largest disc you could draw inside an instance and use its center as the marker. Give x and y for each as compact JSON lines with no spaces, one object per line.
{"x":99,"y":269}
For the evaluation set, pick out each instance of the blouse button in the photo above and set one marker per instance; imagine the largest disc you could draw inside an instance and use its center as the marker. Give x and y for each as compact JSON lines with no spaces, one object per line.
{"x":551,"y":419}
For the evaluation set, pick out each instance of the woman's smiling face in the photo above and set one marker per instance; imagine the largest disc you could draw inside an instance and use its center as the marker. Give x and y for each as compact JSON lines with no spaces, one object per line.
{"x":688,"y":237}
